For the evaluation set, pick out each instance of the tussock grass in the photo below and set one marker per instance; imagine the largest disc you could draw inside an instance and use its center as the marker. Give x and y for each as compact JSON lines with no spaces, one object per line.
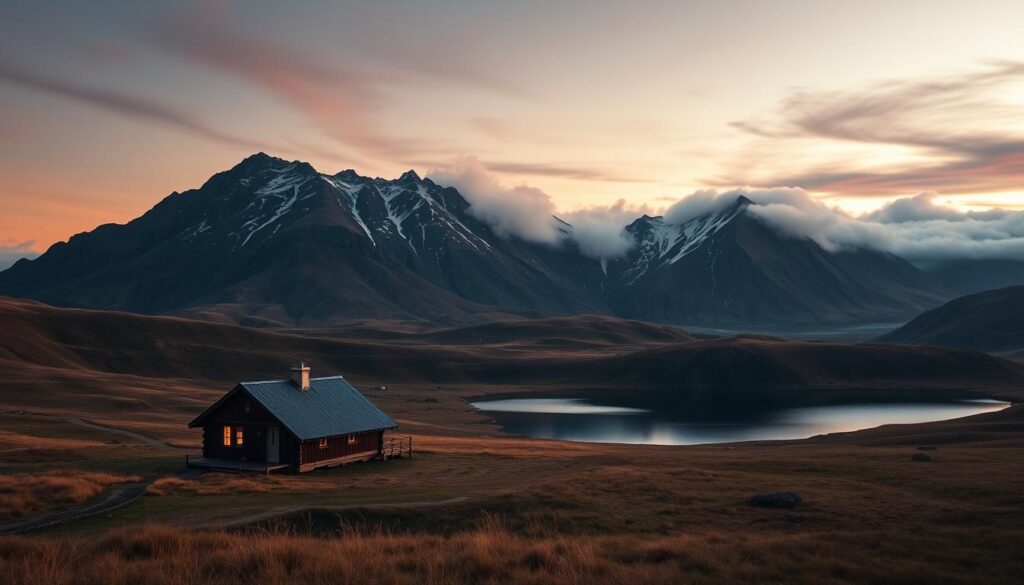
{"x":24,"y":494}
{"x":490,"y":554}
{"x":24,"y":448}
{"x":216,"y":484}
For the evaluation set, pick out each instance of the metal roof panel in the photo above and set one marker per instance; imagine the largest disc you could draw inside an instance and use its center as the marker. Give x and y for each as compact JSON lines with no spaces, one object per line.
{"x":331,"y":406}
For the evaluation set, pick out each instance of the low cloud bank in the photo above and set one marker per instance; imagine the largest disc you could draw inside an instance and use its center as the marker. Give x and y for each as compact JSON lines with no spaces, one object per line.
{"x":521,"y":211}
{"x":528,"y":213}
{"x":600,"y":231}
{"x":918,"y":228}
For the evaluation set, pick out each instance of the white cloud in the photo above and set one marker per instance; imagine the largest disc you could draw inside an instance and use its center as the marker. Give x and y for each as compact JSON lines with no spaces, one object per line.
{"x":600,"y":231}
{"x":528,"y":213}
{"x":522,"y":211}
{"x":921,"y":207}
{"x":915,"y":228}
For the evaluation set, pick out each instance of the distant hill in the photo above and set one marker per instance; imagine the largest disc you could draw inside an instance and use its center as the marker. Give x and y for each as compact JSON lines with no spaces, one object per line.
{"x":279,"y":244}
{"x":577,"y":330}
{"x":40,"y":345}
{"x":740,"y":364}
{"x":991,"y":321}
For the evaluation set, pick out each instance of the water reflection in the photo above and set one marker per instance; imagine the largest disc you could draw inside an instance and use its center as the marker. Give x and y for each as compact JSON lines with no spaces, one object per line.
{"x":576,"y":419}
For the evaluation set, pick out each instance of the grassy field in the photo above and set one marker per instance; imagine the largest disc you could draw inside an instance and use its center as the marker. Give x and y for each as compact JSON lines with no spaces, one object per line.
{"x":476,"y":505}
{"x":488,"y":508}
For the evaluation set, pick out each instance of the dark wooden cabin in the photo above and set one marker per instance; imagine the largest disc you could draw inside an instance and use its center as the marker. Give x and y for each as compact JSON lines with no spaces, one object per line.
{"x":299,"y":424}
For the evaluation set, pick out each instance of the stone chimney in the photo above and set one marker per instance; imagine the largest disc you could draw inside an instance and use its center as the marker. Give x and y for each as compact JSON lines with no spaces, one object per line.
{"x":300,"y":375}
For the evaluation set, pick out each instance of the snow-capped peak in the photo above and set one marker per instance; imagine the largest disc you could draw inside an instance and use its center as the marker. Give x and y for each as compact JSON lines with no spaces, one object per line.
{"x":660,"y":243}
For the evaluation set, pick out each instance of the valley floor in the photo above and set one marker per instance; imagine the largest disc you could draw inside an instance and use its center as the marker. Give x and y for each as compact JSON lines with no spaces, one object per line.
{"x":477,"y":506}
{"x":94,"y":407}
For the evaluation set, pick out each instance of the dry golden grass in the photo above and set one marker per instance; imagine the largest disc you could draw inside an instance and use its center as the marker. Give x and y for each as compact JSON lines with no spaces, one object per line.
{"x":10,"y":441}
{"x":26,"y":448}
{"x":215,"y":484}
{"x":489,"y":554}
{"x":25,"y":494}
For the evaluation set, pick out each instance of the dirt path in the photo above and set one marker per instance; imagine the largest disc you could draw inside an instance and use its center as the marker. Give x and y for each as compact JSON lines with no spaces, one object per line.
{"x":117,"y":497}
{"x":130,"y":434}
{"x":282,"y":510}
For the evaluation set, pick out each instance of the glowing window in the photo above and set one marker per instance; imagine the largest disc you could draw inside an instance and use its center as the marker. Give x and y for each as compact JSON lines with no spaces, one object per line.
{"x":239,"y":436}
{"x":351,"y":439}
{"x":323,"y":443}
{"x":227,"y":436}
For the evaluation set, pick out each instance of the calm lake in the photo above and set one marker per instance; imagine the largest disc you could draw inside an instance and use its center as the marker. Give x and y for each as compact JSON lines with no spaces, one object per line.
{"x":578,"y":419}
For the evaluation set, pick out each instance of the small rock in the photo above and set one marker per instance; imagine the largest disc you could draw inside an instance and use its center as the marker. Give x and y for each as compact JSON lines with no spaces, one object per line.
{"x":776,"y":500}
{"x":920,"y":457}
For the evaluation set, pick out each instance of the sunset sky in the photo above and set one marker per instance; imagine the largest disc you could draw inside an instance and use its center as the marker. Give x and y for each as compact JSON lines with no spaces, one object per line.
{"x":108,"y":107}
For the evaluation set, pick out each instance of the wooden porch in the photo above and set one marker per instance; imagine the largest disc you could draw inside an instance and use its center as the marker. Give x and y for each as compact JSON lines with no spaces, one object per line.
{"x":236,"y":465}
{"x":395,"y":446}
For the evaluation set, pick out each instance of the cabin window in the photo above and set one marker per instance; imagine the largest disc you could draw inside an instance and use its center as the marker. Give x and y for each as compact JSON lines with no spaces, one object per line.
{"x":227,"y":435}
{"x":239,"y":436}
{"x":323,"y":443}
{"x":351,"y":439}
{"x":248,"y":407}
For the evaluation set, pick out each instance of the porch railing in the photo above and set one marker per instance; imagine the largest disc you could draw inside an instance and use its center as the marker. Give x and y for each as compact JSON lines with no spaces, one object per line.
{"x":396,"y":446}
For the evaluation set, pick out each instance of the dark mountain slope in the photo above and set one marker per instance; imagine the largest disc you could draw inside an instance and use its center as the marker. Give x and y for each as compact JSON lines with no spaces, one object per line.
{"x":276,"y":243}
{"x":733,"y":268}
{"x":978,"y":275}
{"x":991,"y":321}
{"x":316,"y":248}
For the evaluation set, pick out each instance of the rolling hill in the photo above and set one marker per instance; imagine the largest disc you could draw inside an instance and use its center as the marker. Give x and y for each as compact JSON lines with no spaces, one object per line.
{"x":108,"y":362}
{"x":991,"y":321}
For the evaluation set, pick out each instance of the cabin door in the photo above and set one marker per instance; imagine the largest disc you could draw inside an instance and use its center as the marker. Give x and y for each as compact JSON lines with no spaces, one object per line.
{"x":273,"y":445}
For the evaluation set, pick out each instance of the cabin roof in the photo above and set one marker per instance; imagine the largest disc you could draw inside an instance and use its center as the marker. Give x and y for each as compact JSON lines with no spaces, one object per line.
{"x":331,"y":406}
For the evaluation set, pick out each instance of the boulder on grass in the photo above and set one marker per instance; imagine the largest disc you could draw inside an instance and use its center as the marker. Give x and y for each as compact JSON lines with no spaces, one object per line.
{"x":785,"y":500}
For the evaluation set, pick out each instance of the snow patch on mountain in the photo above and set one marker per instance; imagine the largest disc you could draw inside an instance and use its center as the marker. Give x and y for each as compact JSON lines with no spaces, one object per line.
{"x":278,"y":214}
{"x":695,"y":232}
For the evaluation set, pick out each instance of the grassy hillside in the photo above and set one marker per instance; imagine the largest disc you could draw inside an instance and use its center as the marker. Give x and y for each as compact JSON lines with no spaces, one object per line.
{"x":92,"y":398}
{"x":991,"y":321}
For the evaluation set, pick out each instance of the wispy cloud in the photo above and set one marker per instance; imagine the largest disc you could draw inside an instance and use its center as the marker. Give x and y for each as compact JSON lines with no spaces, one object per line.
{"x":962,"y":133}
{"x":343,"y":101}
{"x":120,"y":103}
{"x":563,"y":171}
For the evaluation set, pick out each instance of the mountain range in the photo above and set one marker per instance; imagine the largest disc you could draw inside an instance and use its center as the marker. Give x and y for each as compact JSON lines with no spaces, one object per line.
{"x":272,"y":242}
